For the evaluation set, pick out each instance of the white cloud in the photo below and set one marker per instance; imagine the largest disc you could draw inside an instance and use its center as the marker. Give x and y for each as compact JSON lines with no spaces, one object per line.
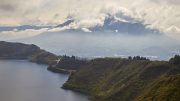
{"x":86,"y":30}
{"x":160,"y":14}
{"x":9,"y":35}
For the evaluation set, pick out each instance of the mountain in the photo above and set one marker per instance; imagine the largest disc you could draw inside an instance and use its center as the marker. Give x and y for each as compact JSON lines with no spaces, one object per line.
{"x":133,"y":79}
{"x":30,"y":52}
{"x":66,"y":23}
{"x":111,"y":23}
{"x":118,"y":25}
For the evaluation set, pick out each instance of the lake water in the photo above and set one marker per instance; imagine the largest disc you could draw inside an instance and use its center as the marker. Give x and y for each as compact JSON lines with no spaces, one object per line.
{"x":24,"y":81}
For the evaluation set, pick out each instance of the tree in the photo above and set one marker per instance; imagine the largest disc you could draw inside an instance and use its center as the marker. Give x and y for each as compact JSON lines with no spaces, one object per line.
{"x":139,"y":58}
{"x":130,"y":58}
{"x":73,"y":57}
{"x":175,"y":60}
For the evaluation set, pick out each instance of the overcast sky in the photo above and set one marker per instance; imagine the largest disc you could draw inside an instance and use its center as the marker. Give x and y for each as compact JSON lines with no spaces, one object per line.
{"x":161,"y":14}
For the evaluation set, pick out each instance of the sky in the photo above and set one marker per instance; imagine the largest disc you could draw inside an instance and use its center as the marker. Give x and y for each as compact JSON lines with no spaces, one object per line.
{"x":163,"y":15}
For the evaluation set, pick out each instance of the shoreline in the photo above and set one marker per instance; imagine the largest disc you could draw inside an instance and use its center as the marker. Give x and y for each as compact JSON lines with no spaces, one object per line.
{"x":58,"y":70}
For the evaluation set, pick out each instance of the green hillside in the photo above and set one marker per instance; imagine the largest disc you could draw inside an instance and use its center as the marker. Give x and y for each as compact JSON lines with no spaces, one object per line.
{"x":116,"y":79}
{"x":31,"y":52}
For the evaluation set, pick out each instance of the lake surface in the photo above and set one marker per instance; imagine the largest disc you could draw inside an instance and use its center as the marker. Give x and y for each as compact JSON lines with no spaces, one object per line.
{"x":24,"y":81}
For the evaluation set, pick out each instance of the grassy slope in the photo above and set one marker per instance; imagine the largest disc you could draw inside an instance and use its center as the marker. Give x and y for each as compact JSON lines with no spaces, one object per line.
{"x":31,"y":52}
{"x":167,"y":88}
{"x":43,"y":57}
{"x":110,"y":79}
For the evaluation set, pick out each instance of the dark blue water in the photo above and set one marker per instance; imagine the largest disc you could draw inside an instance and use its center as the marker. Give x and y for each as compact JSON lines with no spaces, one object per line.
{"x":25,"y":81}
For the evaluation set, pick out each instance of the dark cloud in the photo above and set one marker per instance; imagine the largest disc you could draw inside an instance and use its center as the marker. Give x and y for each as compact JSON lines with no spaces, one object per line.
{"x":7,"y":7}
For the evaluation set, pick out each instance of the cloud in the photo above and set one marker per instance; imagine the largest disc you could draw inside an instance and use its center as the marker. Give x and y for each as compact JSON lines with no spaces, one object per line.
{"x":7,"y":7}
{"x":15,"y":34}
{"x":160,"y":14}
{"x":174,"y":2}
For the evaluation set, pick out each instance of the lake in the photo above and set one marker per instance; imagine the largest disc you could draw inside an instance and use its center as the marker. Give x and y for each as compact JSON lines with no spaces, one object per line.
{"x":25,"y":81}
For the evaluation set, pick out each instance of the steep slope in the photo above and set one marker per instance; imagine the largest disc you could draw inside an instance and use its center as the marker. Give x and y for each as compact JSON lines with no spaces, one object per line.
{"x":167,"y":88}
{"x":110,"y":79}
{"x":31,"y":52}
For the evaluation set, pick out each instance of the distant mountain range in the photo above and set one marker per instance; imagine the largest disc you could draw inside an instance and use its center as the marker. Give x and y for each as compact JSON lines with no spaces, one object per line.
{"x":111,"y":23}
